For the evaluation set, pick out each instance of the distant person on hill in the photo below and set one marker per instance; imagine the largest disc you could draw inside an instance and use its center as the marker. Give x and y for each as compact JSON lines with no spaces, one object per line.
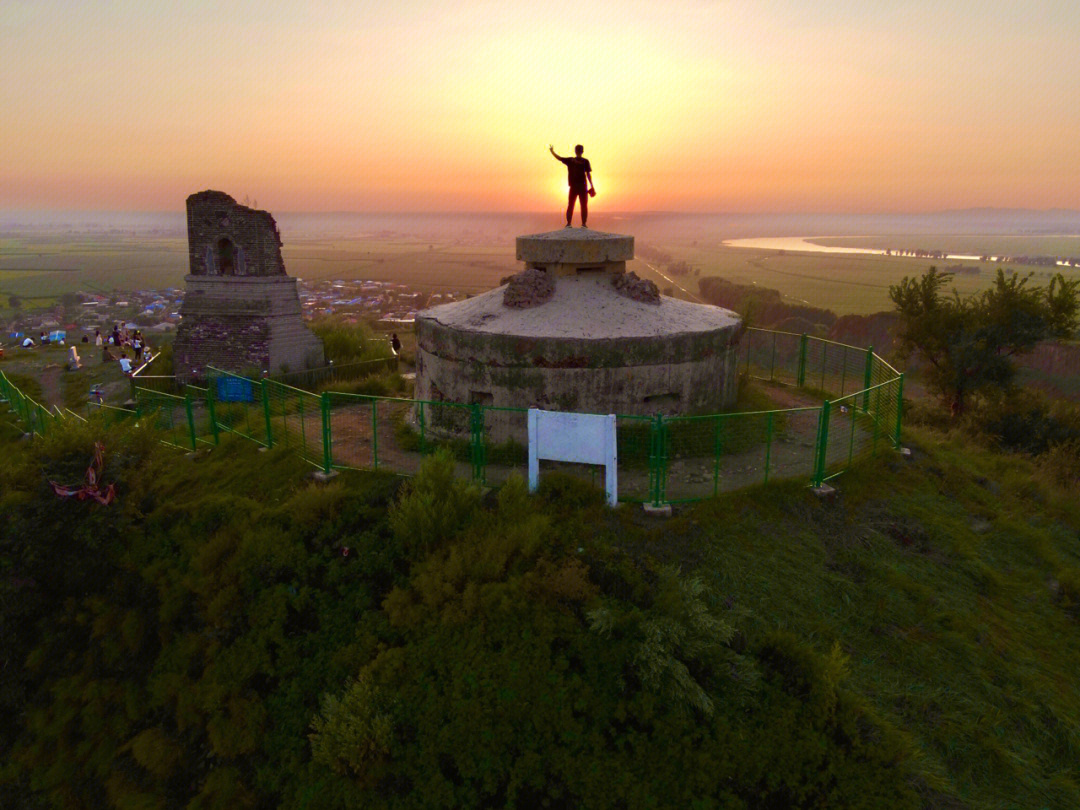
{"x":98,"y":339}
{"x":28,"y":342}
{"x":578,"y":171}
{"x":85,"y":339}
{"x":125,"y":364}
{"x":395,"y":345}
{"x":137,"y":345}
{"x":43,"y":339}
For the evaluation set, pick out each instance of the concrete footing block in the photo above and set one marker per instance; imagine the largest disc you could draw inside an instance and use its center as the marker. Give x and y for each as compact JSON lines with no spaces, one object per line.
{"x":906,"y":452}
{"x":323,"y":476}
{"x":663,"y":510}
{"x":824,"y":492}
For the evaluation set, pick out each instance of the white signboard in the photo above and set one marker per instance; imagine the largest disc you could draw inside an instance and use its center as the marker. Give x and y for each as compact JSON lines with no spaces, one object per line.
{"x":585,"y":438}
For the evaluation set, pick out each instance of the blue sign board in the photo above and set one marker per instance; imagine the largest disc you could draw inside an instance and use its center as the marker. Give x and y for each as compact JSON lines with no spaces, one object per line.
{"x":235,"y":389}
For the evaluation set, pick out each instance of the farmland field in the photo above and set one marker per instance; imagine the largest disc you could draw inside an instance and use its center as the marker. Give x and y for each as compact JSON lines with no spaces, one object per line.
{"x":844,"y":283}
{"x":40,"y":268}
{"x":46,"y":267}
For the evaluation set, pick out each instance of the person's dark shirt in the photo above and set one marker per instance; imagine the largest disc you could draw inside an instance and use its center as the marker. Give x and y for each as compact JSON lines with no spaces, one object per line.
{"x":576,"y":169}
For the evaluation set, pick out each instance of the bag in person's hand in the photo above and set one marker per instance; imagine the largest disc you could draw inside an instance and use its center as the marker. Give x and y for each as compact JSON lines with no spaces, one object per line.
{"x":592,"y":192}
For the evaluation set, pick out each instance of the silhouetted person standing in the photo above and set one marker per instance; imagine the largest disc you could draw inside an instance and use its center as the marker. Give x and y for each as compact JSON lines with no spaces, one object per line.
{"x":579,"y":175}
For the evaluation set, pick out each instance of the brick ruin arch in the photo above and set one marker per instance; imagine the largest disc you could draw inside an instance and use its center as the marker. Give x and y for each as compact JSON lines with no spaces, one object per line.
{"x":228,"y":258}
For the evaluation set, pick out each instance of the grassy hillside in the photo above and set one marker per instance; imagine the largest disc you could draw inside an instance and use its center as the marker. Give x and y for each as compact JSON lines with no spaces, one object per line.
{"x":231,"y":634}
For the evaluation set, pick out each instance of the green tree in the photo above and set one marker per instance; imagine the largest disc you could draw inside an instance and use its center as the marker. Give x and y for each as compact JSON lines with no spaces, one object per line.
{"x":969,"y":342}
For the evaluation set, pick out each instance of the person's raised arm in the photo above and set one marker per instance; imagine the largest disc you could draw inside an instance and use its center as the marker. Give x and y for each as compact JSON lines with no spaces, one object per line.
{"x":557,"y":157}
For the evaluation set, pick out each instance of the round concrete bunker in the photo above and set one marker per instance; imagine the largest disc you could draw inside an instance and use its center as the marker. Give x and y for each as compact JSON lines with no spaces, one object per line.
{"x":575,"y":332}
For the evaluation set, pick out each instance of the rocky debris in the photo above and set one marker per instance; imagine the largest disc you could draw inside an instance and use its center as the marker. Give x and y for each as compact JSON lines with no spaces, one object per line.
{"x":639,"y":289}
{"x":529,"y":288}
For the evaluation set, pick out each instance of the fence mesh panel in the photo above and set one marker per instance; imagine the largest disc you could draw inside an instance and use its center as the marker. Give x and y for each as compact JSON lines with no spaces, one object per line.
{"x":503,"y":444}
{"x":167,"y":414}
{"x":773,"y":356}
{"x":858,"y":426}
{"x":355,"y":431}
{"x":636,"y":449}
{"x":295,"y":419}
{"x":834,"y":368}
{"x":202,"y":414}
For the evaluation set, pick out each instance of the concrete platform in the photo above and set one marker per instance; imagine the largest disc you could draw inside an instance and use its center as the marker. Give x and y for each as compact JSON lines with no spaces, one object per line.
{"x":575,"y":246}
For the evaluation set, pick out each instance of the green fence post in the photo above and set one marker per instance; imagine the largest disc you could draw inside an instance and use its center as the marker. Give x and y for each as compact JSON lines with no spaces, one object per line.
{"x":899,"y":412}
{"x":772,"y":360}
{"x":212,"y":413}
{"x":266,"y":414}
{"x":868,"y":377}
{"x":190,"y":421}
{"x":822,"y":444}
{"x":654,"y":453}
{"x":877,"y":419}
{"x":327,"y":439}
{"x":477,"y":430}
{"x":660,"y":492}
{"x":718,"y":448}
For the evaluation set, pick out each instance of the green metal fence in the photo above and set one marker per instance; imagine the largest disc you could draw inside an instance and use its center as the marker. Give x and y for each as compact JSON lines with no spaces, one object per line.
{"x":661,"y":459}
{"x":35,"y":417}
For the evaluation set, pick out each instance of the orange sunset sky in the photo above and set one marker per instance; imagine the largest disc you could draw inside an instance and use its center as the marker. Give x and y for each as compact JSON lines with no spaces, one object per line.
{"x":418,"y":106}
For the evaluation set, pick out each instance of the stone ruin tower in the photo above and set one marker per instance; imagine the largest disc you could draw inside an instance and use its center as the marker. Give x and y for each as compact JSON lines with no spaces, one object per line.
{"x":240,"y":310}
{"x":576,"y":332}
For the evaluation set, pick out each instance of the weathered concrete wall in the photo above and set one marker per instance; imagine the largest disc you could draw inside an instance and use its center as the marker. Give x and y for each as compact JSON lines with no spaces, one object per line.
{"x":675,"y":374}
{"x":240,"y":311}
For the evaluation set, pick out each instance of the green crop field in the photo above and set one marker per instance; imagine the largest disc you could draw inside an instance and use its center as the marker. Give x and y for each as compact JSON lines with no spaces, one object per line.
{"x":844,"y":283}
